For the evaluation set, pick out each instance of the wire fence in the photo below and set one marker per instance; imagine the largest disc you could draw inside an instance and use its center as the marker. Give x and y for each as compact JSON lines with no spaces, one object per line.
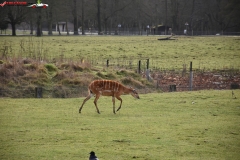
{"x":129,"y":32}
{"x":75,"y":92}
{"x":162,"y":80}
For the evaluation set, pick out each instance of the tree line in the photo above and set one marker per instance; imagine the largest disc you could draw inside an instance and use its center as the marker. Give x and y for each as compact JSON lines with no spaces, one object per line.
{"x":105,"y":16}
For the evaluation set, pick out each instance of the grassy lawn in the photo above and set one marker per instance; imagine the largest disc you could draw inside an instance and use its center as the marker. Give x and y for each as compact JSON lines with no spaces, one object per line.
{"x":206,"y":53}
{"x":180,"y":125}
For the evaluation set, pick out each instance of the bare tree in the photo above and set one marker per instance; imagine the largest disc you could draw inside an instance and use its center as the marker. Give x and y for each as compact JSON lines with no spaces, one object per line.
{"x":99,"y":17}
{"x":15,"y":15}
{"x":75,"y":19}
{"x":39,"y":23}
{"x":83,"y":16}
{"x":49,"y":15}
{"x":231,"y":12}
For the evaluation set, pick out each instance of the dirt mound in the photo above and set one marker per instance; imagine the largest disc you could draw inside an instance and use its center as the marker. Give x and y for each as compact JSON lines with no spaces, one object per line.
{"x":210,"y":80}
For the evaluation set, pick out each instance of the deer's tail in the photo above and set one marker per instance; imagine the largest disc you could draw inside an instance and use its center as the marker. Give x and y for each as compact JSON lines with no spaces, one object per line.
{"x":90,"y":92}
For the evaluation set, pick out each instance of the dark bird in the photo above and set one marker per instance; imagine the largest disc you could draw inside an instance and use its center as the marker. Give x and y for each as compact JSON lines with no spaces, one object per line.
{"x":93,"y":156}
{"x":233,"y":95}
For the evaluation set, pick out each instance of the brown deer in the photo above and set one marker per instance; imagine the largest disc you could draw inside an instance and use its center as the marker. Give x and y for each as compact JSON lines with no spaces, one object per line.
{"x":108,"y":88}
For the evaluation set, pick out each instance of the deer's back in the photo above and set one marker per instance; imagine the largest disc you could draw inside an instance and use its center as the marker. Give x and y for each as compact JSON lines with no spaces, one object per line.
{"x":105,"y":87}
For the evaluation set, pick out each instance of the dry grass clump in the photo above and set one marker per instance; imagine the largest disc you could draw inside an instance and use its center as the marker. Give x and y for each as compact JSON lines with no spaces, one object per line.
{"x":126,"y":73}
{"x":30,"y":67}
{"x":51,"y":67}
{"x":60,"y":91}
{"x":71,"y":78}
{"x":110,"y":75}
{"x":75,"y":66}
{"x":132,"y":82}
{"x":63,"y":79}
{"x":22,"y":72}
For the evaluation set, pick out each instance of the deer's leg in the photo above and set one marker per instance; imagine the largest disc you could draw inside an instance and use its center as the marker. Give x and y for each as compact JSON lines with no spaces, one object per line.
{"x":85,"y":100}
{"x":95,"y":102}
{"x":120,"y":99}
{"x":113,"y":100}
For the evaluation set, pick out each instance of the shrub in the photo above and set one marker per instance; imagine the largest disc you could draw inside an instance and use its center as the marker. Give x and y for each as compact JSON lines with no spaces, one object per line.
{"x":122,"y":72}
{"x":99,"y":74}
{"x":64,"y":66}
{"x":60,"y":91}
{"x":51,"y":67}
{"x":110,"y":76}
{"x":76,"y":67}
{"x":127,"y":73}
{"x":60,"y":75}
{"x":132,"y":82}
{"x":42,"y":69}
{"x":27,"y":61}
{"x":30,"y":66}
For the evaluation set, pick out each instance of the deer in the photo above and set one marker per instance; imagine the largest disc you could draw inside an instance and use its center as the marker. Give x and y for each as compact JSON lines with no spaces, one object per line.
{"x":108,"y":88}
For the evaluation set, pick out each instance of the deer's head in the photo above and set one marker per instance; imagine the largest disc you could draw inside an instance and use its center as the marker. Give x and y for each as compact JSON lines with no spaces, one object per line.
{"x":134,"y":93}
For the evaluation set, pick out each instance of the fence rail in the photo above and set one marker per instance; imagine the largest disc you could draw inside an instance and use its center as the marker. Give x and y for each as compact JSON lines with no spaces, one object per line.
{"x":131,"y":31}
{"x":42,"y":92}
{"x":161,"y":80}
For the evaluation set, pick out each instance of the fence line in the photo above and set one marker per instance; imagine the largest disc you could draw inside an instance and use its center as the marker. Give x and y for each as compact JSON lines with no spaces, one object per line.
{"x":163,"y":79}
{"x":136,"y":31}
{"x":26,"y":92}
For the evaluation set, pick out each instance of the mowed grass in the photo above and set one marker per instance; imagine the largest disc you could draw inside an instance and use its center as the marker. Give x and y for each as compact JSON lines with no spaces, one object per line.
{"x":180,"y":125}
{"x":207,"y":53}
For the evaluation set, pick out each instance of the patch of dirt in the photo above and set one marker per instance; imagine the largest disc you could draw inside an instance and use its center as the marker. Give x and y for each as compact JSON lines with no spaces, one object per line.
{"x":208,"y":80}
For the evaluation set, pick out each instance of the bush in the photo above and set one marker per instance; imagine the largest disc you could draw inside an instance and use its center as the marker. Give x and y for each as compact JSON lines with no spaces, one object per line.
{"x":77,"y":68}
{"x":127,"y":73}
{"x":60,"y":91}
{"x":110,"y":76}
{"x":30,"y":66}
{"x":51,"y":67}
{"x":132,"y":82}
{"x":99,"y":74}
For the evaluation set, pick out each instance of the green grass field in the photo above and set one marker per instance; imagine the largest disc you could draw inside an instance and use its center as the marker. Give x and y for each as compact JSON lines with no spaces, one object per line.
{"x":181,"y":125}
{"x":206,"y":53}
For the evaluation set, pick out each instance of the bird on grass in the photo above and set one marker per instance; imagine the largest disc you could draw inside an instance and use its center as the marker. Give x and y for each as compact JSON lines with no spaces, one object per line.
{"x":93,"y":156}
{"x":233,"y":96}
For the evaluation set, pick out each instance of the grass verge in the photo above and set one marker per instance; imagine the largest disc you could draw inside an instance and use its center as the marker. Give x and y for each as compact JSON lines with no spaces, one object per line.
{"x":182,"y":125}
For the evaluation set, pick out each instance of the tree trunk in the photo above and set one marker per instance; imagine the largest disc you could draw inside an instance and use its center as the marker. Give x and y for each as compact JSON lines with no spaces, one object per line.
{"x":83,"y":26}
{"x":39,"y":24}
{"x":31,"y":26}
{"x":31,"y":22}
{"x":67,"y":28}
{"x":138,"y":18}
{"x":59,"y":32}
{"x":50,"y":23}
{"x":175,"y":14}
{"x":13,"y":29}
{"x":99,"y":18}
{"x":192,"y":13}
{"x":166,"y":10}
{"x":75,"y":20}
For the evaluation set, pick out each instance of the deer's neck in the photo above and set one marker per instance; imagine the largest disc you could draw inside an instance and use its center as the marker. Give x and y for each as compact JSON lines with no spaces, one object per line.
{"x":126,"y":90}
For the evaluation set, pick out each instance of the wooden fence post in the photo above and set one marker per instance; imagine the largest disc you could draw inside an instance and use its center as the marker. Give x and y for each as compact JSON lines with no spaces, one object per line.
{"x":107,"y":62}
{"x":172,"y":88}
{"x":139,"y":67}
{"x":191,"y":77}
{"x":147,"y":63}
{"x":38,"y":92}
{"x":148,"y":71}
